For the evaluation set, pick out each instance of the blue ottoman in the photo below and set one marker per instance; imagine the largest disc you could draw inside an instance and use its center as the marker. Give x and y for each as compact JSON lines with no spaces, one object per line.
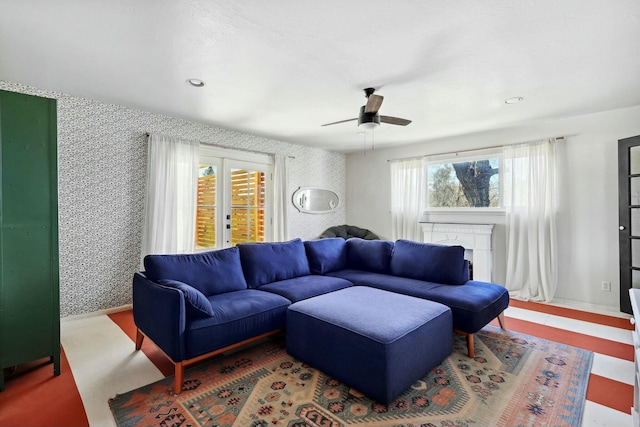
{"x":376,"y":341}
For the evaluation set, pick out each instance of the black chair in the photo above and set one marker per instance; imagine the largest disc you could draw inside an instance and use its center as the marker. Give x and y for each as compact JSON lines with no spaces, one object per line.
{"x":347,"y":231}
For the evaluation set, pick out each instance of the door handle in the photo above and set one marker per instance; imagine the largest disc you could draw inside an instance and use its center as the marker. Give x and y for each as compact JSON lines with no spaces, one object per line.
{"x":622,"y":228}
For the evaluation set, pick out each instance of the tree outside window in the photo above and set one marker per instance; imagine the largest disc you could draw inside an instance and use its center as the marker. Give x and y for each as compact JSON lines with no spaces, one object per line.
{"x":468,"y":184}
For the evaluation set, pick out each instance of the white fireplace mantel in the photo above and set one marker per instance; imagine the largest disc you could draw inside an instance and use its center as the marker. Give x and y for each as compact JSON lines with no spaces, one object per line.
{"x":473,"y":237}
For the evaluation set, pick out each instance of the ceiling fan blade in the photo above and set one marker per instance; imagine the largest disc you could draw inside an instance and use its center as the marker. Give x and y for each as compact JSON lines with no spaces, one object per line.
{"x":341,"y":121}
{"x":394,"y":120}
{"x":373,"y":103}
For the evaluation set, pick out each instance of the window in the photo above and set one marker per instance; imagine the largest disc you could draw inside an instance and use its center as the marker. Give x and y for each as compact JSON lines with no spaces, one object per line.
{"x":232,"y":202}
{"x":472,"y":182}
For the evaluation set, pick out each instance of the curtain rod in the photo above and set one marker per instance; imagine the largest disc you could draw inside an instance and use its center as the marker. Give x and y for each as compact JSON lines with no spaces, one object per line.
{"x":147,"y":134}
{"x":461,"y":151}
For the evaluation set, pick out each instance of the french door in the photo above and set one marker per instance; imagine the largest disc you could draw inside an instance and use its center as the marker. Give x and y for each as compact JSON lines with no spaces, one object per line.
{"x":629,"y":217}
{"x":233,"y":201}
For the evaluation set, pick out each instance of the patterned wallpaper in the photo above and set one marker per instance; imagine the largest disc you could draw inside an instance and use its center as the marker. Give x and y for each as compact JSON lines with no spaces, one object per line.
{"x":102,"y":167}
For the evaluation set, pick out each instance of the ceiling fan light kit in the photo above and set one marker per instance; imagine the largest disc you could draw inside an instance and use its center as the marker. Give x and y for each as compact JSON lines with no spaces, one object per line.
{"x":368,"y":120}
{"x":369,"y":117}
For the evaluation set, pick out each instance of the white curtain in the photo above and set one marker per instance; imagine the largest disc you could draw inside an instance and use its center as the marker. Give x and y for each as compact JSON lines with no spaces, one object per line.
{"x":170,"y":199}
{"x":280,"y":201}
{"x":408,"y":186}
{"x":530,"y":180}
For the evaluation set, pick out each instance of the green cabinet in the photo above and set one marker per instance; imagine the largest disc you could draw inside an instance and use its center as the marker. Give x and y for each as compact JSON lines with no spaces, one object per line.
{"x":29,"y":269}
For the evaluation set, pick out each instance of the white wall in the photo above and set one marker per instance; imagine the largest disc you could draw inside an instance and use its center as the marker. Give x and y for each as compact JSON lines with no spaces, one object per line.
{"x":588,"y":213}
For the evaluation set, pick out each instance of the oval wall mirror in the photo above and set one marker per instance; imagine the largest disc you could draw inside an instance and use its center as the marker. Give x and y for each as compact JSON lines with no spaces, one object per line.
{"x":315,"y":200}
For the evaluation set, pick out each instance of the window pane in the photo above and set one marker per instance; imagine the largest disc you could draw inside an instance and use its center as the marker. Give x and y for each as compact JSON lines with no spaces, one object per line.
{"x":635,"y":222}
{"x":634,"y":160}
{"x":635,"y":253}
{"x":635,"y":279}
{"x":634,"y":191}
{"x":472,"y":184}
{"x":247,"y":206}
{"x":206,"y":228}
{"x":206,"y":208}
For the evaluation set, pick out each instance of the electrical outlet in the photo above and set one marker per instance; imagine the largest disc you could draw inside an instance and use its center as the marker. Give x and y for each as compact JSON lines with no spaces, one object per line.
{"x":605,"y":286}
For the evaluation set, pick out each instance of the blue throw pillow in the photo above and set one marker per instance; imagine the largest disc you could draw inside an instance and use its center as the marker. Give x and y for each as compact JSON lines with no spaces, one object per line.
{"x":264,"y":263}
{"x":369,"y":255}
{"x":326,"y":255}
{"x":192,"y":295}
{"x":212,"y":272}
{"x":429,"y":262}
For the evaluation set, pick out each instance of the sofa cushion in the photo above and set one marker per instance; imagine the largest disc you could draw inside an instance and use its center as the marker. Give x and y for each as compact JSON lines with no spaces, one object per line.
{"x":303,"y":287}
{"x":212,"y":272}
{"x":239,"y":315}
{"x":270,"y":262}
{"x":191,"y":295}
{"x":368,"y":278}
{"x":326,"y":255}
{"x":369,"y":255}
{"x":429,"y":262}
{"x":473,"y":304}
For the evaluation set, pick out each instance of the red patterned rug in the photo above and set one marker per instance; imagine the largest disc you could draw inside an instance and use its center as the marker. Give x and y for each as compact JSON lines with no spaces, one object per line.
{"x":514,"y":380}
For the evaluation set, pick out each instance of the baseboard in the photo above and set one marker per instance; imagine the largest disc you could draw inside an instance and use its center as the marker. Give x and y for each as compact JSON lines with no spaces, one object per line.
{"x":106,"y":311}
{"x":592,"y":308}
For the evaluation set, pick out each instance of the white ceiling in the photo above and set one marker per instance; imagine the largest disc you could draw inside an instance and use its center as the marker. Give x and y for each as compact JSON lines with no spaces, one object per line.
{"x":282,"y":68}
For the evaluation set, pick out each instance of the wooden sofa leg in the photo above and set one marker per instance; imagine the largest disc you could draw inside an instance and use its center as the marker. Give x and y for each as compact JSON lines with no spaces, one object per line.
{"x":501,"y":320}
{"x":139,"y":339}
{"x":471,"y":349}
{"x":179,"y":378}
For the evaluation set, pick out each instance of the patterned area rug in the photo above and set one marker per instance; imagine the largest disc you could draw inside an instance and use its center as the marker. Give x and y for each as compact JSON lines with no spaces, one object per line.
{"x":514,"y":380}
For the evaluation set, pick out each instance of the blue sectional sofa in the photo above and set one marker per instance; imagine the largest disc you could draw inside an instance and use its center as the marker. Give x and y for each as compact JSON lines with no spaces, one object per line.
{"x":195,"y":306}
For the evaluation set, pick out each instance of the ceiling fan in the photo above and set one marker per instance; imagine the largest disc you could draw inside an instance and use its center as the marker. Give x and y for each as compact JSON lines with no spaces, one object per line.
{"x":369,"y":117}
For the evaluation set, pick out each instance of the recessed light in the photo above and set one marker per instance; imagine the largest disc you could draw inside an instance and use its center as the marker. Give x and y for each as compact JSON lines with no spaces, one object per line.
{"x":195,"y":82}
{"x":513,"y":100}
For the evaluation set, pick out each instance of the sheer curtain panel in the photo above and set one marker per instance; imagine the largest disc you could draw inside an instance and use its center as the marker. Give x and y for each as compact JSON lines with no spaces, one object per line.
{"x":408,"y":186}
{"x":530,"y":181}
{"x":170,"y":199}
{"x":280,"y":201}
